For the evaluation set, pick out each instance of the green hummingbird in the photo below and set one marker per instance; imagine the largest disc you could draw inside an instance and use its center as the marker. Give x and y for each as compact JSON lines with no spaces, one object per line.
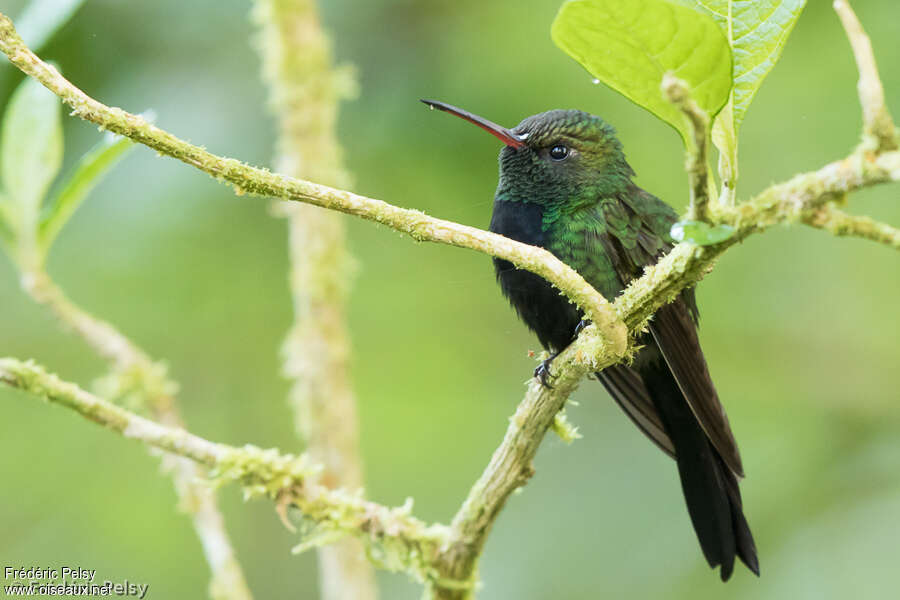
{"x":565,"y":186}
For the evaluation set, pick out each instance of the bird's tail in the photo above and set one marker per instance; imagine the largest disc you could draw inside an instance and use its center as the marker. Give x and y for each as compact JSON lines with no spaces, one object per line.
{"x":710,"y":487}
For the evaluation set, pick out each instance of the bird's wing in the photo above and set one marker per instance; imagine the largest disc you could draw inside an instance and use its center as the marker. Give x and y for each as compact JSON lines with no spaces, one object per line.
{"x":676,"y":335}
{"x":636,"y":234}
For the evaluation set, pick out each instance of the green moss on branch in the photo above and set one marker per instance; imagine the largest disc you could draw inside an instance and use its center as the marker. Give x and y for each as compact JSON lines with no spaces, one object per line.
{"x":247,"y":179}
{"x":447,"y":558}
{"x":402,"y":541}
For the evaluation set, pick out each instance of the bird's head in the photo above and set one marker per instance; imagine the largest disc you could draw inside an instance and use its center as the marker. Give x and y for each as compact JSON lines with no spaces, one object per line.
{"x":555,"y":156}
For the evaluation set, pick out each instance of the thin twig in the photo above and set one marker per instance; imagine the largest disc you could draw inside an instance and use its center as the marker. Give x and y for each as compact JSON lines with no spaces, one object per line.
{"x":839,"y":223}
{"x":105,"y":340}
{"x":877,"y":122}
{"x":678,"y":93}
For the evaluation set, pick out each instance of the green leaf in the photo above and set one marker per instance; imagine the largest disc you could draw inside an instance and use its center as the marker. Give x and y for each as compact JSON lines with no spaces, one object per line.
{"x":43,"y":18}
{"x":700,"y":233}
{"x":88,"y":172}
{"x":757,"y":31}
{"x":31,"y":148}
{"x":630,"y":45}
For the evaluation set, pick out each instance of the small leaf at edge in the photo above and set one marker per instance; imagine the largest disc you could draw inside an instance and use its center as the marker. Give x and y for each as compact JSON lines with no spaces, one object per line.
{"x":31,"y":149}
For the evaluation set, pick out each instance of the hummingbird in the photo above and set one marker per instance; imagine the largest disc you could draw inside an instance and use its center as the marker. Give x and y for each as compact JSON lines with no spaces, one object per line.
{"x":565,"y":186}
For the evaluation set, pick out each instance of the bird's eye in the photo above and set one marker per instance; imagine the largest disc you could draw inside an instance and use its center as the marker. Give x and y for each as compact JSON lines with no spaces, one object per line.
{"x":559,"y":152}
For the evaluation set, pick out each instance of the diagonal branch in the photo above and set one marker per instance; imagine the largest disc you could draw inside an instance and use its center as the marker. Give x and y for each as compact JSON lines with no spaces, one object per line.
{"x":510,"y":466}
{"x":105,"y":339}
{"x":839,"y":223}
{"x":134,"y":371}
{"x":402,"y":541}
{"x":447,"y":558}
{"x":247,"y":179}
{"x":788,"y":202}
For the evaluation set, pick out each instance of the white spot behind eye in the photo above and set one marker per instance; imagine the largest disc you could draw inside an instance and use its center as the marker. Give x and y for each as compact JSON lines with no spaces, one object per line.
{"x":524,"y":136}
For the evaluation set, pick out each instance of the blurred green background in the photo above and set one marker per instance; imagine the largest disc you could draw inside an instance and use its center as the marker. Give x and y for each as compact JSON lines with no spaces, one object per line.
{"x":800,"y":328}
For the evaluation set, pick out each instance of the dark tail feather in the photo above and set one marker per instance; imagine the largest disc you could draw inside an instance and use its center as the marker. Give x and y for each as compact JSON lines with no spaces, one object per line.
{"x":744,"y":544}
{"x":710,"y":488}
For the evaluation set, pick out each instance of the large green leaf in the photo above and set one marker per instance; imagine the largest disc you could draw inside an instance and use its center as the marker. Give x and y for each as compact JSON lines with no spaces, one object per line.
{"x":90,"y":169}
{"x":757,"y":31}
{"x":630,"y":45}
{"x":42,"y":18}
{"x":31,"y":149}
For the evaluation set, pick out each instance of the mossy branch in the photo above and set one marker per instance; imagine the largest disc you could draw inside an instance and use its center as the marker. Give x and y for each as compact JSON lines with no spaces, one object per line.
{"x":678,"y":93}
{"x":795,"y":200}
{"x":136,"y":376}
{"x":446,"y":558}
{"x":399,"y":540}
{"x":837,"y":222}
{"x":253,"y":180}
{"x":511,"y":466}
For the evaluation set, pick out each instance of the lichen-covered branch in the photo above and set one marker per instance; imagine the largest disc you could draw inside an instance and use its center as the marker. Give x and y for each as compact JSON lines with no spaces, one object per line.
{"x":304,"y":90}
{"x":792,"y":201}
{"x":247,"y":179}
{"x":446,"y":558}
{"x":510,"y":467}
{"x":839,"y":223}
{"x":135,"y":376}
{"x":678,"y":93}
{"x":398,"y":540}
{"x":877,"y":122}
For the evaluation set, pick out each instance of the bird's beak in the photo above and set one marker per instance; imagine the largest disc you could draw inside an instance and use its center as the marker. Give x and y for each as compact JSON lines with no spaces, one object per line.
{"x":502,"y":133}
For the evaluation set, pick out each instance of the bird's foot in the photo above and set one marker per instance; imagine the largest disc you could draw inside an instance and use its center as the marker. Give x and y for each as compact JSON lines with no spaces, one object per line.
{"x":581,"y":325}
{"x":542,"y":371}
